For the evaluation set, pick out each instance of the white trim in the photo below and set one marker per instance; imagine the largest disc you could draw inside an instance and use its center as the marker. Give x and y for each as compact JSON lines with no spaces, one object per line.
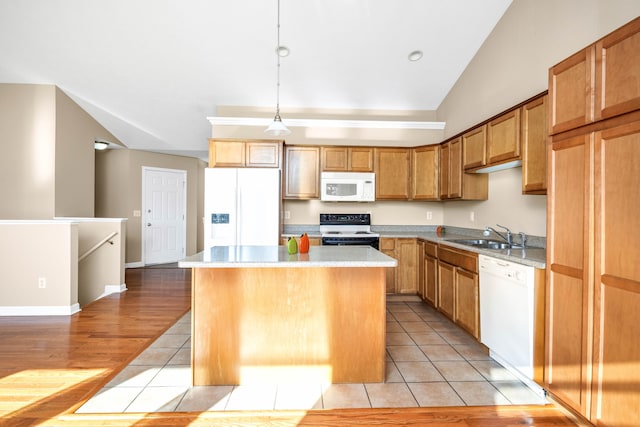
{"x":33,"y":310}
{"x":326,"y":123}
{"x":113,"y":289}
{"x":134,"y":264}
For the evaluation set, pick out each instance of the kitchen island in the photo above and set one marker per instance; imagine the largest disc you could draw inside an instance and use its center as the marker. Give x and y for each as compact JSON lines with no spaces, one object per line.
{"x":261,"y":315}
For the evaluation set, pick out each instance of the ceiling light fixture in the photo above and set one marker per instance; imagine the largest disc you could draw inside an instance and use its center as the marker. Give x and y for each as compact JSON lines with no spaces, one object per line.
{"x":100,"y":144}
{"x":416,"y":55}
{"x":277,"y":128}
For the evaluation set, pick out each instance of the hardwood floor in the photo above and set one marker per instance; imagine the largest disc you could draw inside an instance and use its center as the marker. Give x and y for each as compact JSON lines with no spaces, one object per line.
{"x":50,"y":365}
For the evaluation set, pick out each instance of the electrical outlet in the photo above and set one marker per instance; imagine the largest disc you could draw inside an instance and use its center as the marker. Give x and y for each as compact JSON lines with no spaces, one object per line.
{"x":429,"y":215}
{"x":472,"y":216}
{"x":136,"y":213}
{"x":42,"y":282}
{"x":287,"y":214}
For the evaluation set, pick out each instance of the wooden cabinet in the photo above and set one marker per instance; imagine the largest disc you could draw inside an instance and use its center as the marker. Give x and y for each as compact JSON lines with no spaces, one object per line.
{"x":424,"y":172}
{"x":245,"y":153}
{"x":599,"y":82}
{"x":503,"y":138}
{"x":347,"y":159}
{"x":392,"y":167}
{"x":474,"y":148}
{"x":533,"y":129}
{"x":301,"y":172}
{"x":404,"y":278}
{"x":407,"y":274}
{"x":458,"y":288}
{"x":593,"y":274}
{"x":446,"y":292}
{"x":454,"y":182}
{"x":388,"y":247}
{"x":430,"y":273}
{"x":467,"y":303}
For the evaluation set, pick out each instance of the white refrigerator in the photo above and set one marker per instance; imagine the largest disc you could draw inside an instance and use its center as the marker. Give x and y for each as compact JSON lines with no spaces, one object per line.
{"x":242,"y":207}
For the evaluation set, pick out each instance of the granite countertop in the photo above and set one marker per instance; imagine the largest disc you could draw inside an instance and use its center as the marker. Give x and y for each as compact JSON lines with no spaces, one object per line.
{"x":277,"y":256}
{"x":533,"y":256}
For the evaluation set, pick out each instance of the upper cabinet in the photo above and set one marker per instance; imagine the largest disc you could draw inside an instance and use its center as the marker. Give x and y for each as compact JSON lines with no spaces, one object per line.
{"x":599,"y":82}
{"x":245,"y":153}
{"x":474,"y":148}
{"x":392,"y":167}
{"x":503,"y":138}
{"x":347,"y":159}
{"x":533,"y":129}
{"x":301,"y":178}
{"x":424,"y":172}
{"x":454,"y":182}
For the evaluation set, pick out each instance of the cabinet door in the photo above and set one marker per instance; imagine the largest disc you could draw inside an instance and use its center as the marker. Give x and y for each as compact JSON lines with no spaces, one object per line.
{"x":424,"y":173}
{"x":455,"y":169}
{"x":392,"y":166}
{"x":226,"y":153}
{"x":616,"y":375}
{"x":446,"y":278}
{"x":618,"y":61}
{"x":360,"y":159}
{"x":503,"y":138}
{"x":474,"y":148}
{"x":569,"y":302}
{"x":388,"y":247}
{"x":571,"y":88}
{"x":431,"y":280}
{"x":263,"y":154}
{"x":534,"y":146}
{"x":466,"y":305}
{"x":302,"y":172}
{"x":406,"y":278}
{"x":444,"y":171}
{"x":335,"y":159}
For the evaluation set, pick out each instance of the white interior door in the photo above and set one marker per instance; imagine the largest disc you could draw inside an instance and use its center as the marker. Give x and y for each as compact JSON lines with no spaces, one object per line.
{"x":164,"y":223}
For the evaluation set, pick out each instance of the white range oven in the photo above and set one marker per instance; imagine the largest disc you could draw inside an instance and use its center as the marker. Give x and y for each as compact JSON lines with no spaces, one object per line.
{"x":348,"y":229}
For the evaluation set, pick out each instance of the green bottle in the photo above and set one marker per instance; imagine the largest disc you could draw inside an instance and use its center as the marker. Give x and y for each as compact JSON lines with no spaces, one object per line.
{"x":292,"y":245}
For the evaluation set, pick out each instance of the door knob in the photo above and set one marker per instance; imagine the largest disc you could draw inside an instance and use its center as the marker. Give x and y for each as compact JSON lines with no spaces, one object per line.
{"x":148,"y":224}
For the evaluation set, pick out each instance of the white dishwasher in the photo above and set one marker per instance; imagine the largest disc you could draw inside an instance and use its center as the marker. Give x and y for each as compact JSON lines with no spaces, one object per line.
{"x":507,"y":315}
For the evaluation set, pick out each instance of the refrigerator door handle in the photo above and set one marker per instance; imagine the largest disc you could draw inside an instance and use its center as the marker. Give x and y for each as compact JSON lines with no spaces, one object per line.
{"x":238,"y":209}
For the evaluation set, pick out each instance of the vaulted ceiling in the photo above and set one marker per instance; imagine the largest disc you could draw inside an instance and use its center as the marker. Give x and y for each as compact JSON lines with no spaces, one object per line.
{"x":151,"y":71}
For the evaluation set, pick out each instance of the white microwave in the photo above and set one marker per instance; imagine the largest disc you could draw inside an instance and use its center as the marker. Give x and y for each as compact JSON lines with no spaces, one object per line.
{"x":348,"y":187}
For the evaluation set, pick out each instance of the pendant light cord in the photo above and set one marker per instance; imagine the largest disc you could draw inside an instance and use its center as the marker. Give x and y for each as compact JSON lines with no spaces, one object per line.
{"x":278,"y":68}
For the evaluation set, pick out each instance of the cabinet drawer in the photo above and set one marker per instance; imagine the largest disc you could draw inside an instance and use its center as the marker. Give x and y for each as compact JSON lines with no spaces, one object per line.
{"x":431,"y":249}
{"x":462,"y":259}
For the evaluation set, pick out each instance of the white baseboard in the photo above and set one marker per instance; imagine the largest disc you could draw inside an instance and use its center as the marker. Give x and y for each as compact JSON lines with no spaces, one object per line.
{"x":134,"y":264}
{"x":39,"y":310}
{"x":114,"y":289}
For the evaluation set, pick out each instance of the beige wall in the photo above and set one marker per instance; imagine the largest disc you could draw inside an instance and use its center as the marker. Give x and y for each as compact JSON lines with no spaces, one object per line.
{"x":119,"y":193}
{"x":27,"y":139}
{"x":54,"y":258}
{"x":511,"y":66}
{"x":47,"y":162}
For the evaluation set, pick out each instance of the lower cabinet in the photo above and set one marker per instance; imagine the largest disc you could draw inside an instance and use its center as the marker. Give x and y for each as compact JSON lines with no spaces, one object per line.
{"x":458,"y":288}
{"x":429,"y":278}
{"x":404,"y":278}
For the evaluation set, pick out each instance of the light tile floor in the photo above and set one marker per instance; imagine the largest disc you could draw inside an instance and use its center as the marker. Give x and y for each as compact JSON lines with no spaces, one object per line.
{"x":430,"y":362}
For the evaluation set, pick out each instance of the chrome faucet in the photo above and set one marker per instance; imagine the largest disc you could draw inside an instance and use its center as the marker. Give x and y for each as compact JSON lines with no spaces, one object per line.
{"x":523,"y":239}
{"x":507,"y":238}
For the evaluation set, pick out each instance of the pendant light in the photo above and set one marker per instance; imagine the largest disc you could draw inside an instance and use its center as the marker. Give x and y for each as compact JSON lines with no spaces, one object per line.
{"x":277,"y":128}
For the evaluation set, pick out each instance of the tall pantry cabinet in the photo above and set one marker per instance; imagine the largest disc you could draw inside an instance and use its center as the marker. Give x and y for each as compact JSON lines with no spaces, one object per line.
{"x":593,"y":250}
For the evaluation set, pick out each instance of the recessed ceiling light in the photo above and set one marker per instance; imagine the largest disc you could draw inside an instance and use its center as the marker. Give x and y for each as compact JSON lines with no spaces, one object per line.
{"x":415,"y":55}
{"x":282,"y":51}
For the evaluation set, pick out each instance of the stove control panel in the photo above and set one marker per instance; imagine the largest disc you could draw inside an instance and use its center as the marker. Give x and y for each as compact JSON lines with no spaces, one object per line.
{"x":345,"y":219}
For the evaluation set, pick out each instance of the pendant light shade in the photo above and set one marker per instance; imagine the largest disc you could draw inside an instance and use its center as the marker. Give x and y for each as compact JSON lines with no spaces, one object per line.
{"x":277,"y":128}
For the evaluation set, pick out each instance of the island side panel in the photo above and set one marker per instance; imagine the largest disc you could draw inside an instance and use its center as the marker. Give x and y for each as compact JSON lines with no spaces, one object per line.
{"x":253,"y":325}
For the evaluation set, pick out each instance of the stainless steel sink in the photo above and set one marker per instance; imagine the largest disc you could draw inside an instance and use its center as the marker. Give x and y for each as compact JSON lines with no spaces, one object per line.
{"x":485,"y":243}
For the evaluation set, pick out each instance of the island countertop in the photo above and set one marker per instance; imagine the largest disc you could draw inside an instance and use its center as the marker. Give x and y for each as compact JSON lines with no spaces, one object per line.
{"x":277,"y":256}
